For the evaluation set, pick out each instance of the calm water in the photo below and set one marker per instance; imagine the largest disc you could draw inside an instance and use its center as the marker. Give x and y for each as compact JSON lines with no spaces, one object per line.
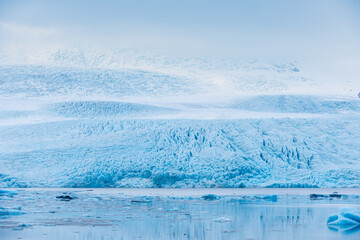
{"x":113,"y":214}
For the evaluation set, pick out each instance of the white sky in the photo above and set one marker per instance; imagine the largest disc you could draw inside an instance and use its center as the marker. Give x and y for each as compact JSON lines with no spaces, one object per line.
{"x":322,"y":35}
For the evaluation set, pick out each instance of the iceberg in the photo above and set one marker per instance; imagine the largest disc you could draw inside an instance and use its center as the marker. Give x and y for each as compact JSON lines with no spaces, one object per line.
{"x":348,"y":217}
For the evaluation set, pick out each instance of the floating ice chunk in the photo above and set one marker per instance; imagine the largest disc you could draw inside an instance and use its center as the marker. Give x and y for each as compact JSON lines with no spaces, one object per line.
{"x":332,"y":218}
{"x":140,"y":201}
{"x":65,"y":198}
{"x":342,"y":221}
{"x":335,"y":195}
{"x":17,"y":229}
{"x":347,"y":217}
{"x":23,"y":225}
{"x":272,"y":198}
{"x":353,"y":217}
{"x":315,"y":196}
{"x":210,"y":197}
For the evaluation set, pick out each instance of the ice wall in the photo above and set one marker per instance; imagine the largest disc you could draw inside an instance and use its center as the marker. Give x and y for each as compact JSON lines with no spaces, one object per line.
{"x":116,"y":127}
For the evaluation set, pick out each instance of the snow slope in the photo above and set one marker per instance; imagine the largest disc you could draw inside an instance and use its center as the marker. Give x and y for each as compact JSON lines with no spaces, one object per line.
{"x":126,"y":127}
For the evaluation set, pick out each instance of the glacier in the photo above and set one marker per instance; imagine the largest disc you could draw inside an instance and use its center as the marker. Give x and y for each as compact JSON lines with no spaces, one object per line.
{"x":134,"y":127}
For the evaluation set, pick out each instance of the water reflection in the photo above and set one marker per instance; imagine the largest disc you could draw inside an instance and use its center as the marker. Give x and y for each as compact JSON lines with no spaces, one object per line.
{"x":117,"y":217}
{"x":345,"y":229}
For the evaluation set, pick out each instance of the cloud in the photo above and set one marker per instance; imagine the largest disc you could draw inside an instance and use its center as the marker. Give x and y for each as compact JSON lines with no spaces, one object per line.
{"x":28,"y":31}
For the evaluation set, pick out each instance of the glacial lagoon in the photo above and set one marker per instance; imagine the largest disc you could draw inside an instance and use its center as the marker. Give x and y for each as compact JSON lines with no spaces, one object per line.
{"x":272,"y":214}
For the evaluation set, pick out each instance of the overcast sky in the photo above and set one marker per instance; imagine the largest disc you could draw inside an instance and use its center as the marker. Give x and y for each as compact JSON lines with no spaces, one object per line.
{"x":325,"y":32}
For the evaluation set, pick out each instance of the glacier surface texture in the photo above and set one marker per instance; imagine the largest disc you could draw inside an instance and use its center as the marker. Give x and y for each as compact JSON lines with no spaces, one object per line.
{"x":134,"y":127}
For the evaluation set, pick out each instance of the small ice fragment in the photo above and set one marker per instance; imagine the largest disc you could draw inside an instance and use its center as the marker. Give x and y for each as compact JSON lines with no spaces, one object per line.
{"x":65,"y":198}
{"x":140,"y":201}
{"x":210,"y":197}
{"x":272,"y":198}
{"x":315,"y":196}
{"x":23,"y":225}
{"x":335,"y":195}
